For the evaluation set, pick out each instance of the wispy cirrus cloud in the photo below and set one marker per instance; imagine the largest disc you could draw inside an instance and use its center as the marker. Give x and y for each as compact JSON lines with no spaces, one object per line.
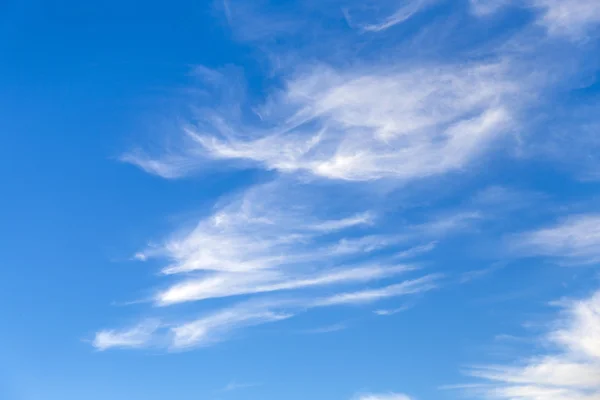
{"x":326,"y":329}
{"x":392,"y":311}
{"x":325,"y":125}
{"x":415,"y":286}
{"x":167,"y":166}
{"x":569,"y":372}
{"x":266,"y":241}
{"x":215,"y":327}
{"x":232,"y":284}
{"x":576,"y":239}
{"x":256,"y":21}
{"x":209,"y":329}
{"x":571,"y":19}
{"x":272,"y":240}
{"x":284,"y":237}
{"x":219,"y":325}
{"x":568,"y":18}
{"x":233,"y":385}
{"x":267,"y":225}
{"x":403,"y":13}
{"x":138,"y":336}
{"x":413,"y":123}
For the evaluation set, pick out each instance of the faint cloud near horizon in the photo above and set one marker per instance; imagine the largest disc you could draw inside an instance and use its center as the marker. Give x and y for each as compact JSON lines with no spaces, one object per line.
{"x":234,"y":385}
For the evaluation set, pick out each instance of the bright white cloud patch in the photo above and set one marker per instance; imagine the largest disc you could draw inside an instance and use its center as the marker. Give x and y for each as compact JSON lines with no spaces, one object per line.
{"x":272,"y":239}
{"x":576,"y":239}
{"x":570,"y":373}
{"x":219,"y":325}
{"x":231,"y":284}
{"x":568,"y":17}
{"x":169,"y":167}
{"x":377,"y":124}
{"x":371,"y":295}
{"x":252,"y":234}
{"x":393,"y":311}
{"x":304,"y":239}
{"x":573,"y":19}
{"x":209,"y":329}
{"x":136,"y":337}
{"x":362,"y":124}
{"x":259,"y":244}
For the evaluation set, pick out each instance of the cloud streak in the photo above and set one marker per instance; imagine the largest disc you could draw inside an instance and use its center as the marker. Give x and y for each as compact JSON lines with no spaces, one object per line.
{"x":402,"y":14}
{"x":277,"y":239}
{"x":420,"y":285}
{"x":321,"y":132}
{"x":361,"y":124}
{"x":138,"y":336}
{"x":576,"y":239}
{"x":569,"y":373}
{"x":568,"y":18}
{"x":560,"y":18}
{"x":222,"y":324}
{"x":411,"y":125}
{"x":384,"y":396}
{"x":214,"y":328}
{"x":232,"y":284}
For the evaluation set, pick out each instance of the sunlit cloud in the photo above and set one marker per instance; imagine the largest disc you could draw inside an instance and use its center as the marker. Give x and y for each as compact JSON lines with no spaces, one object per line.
{"x":568,"y":18}
{"x":138,"y":336}
{"x":575,"y":239}
{"x":567,"y":372}
{"x":362,"y":124}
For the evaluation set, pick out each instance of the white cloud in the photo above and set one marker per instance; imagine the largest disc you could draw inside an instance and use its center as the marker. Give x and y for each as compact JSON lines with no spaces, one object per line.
{"x":576,"y":239}
{"x":258,"y":21}
{"x":384,"y":396}
{"x":207,"y":330}
{"x":379,"y":124}
{"x":450,"y":223}
{"x":415,"y":286}
{"x":569,"y":373}
{"x":361,"y":123}
{"x":219,"y":325}
{"x":274,"y":238}
{"x":391,"y":311}
{"x":232,"y":284}
{"x":353,"y":123}
{"x":334,"y":225}
{"x":416,"y":251}
{"x":567,"y":17}
{"x":402,"y":14}
{"x":136,"y":337}
{"x":233,"y":385}
{"x":216,"y":327}
{"x":326,"y":329}
{"x":268,"y":226}
{"x":168,"y":167}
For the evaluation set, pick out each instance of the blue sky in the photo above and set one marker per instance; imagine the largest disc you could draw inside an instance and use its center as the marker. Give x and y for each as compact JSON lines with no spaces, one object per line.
{"x":334,"y":199}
